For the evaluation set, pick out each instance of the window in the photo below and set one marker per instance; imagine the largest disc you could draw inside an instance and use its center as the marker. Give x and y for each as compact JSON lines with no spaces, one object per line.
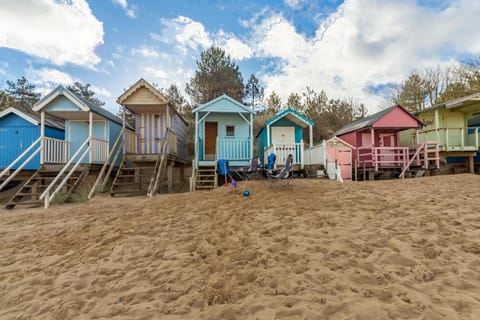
{"x":230,"y":131}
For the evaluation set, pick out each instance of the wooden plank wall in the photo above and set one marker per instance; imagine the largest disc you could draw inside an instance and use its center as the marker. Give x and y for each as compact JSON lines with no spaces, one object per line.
{"x":150,"y":128}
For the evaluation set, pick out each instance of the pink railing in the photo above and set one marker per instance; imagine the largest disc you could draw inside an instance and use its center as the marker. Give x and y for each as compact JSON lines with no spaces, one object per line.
{"x":378,"y":157}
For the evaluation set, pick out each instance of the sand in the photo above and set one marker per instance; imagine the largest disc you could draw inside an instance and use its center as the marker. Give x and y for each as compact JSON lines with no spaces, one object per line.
{"x":318,"y":249}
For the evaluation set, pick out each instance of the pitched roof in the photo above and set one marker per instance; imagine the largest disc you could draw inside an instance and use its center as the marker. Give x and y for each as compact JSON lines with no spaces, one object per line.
{"x":293,"y":116}
{"x":142,"y":83}
{"x":79,"y":102}
{"x":369,"y":121}
{"x":226,"y":97}
{"x":34,"y":118}
{"x":452,"y":104}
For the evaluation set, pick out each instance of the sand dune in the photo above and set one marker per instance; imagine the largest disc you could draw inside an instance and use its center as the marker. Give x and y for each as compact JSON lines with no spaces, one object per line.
{"x":398,"y":249}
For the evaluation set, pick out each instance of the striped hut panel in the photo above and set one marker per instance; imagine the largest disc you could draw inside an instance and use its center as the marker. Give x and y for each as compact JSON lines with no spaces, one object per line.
{"x":138,"y":125}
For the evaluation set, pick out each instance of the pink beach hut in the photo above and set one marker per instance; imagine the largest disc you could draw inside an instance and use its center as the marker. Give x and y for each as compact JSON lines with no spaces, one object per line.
{"x":377,"y":152}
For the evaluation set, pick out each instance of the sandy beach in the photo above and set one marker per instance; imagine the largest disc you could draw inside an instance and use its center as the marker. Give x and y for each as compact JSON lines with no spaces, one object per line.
{"x":318,"y":249}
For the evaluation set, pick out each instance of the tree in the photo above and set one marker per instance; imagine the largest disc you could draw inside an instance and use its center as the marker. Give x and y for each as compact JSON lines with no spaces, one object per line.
{"x":84,"y":92}
{"x":274,"y":102}
{"x":253,"y":90}
{"x":6,"y":101}
{"x":216,"y":75}
{"x":177,"y":100}
{"x":294,"y":101}
{"x":23,"y":92}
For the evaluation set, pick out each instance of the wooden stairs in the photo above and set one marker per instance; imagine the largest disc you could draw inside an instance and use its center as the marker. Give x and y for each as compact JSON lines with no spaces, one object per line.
{"x":29,"y":193}
{"x":205,"y":177}
{"x":132,"y":179}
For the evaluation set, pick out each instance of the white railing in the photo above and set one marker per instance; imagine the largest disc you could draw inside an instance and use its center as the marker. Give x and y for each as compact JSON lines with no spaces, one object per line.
{"x":233,"y":149}
{"x":452,"y":139}
{"x":23,"y":164}
{"x":99,"y":150}
{"x":315,"y":155}
{"x":282,"y":150}
{"x":112,"y":160}
{"x":56,"y":150}
{"x":48,"y":194}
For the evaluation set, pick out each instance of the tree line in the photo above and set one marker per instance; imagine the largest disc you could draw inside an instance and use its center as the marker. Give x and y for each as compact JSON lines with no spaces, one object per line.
{"x":430,"y":86}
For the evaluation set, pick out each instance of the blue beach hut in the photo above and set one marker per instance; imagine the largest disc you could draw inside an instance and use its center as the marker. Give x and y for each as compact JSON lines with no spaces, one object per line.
{"x":18,"y":130}
{"x":283,"y":135}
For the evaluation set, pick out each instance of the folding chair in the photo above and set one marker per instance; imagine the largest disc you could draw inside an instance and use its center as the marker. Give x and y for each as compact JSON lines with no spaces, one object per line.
{"x":284,"y":174}
{"x":253,"y":170}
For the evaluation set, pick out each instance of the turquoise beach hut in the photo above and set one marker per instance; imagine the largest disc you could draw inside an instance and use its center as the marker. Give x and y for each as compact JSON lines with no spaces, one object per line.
{"x":223,"y":130}
{"x":283,"y":135}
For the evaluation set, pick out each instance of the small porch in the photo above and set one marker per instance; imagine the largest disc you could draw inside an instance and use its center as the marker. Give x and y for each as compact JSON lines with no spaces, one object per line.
{"x":452,"y":139}
{"x":283,"y":150}
{"x":237,"y":151}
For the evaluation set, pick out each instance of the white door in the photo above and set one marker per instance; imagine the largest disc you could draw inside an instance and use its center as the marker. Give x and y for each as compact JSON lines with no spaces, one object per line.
{"x":284,"y":140}
{"x":283,"y":135}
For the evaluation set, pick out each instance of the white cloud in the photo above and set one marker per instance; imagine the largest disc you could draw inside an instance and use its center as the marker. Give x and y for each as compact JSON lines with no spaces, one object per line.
{"x":51,"y":76}
{"x":188,"y":34}
{"x":145,"y":52}
{"x":191,"y":36}
{"x":365,"y":43}
{"x":58,"y":31}
{"x":155,"y":73}
{"x":130,"y":10}
{"x":233,"y":46}
{"x":101,"y":91}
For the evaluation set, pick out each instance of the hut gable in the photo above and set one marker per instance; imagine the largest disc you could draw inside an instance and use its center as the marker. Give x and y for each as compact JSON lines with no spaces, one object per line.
{"x":142,"y":93}
{"x":397,"y":117}
{"x":223,"y":104}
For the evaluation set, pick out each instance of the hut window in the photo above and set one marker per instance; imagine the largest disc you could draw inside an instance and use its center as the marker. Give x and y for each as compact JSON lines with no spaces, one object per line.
{"x":230,"y":131}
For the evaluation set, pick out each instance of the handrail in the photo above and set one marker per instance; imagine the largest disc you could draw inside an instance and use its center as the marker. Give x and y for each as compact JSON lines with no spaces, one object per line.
{"x":415,"y":155}
{"x":107,"y":160}
{"x":50,"y":186}
{"x":20,"y":157}
{"x":50,"y":197}
{"x":153,"y":186}
{"x":19,"y":168}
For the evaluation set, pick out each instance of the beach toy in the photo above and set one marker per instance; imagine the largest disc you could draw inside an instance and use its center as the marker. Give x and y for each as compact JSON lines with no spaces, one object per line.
{"x":246,"y":193}
{"x":234,"y":183}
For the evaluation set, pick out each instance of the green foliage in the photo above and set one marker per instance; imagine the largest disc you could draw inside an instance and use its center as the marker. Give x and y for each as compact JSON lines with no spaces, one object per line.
{"x":431,"y":86}
{"x":216,"y":74}
{"x":84,"y":92}
{"x":253,"y":90}
{"x":23,"y":92}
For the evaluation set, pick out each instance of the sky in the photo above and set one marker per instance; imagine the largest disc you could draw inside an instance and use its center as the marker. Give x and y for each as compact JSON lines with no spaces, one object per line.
{"x":351,"y":49}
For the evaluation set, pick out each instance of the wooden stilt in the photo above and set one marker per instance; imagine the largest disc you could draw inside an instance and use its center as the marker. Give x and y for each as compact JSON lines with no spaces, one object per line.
{"x":471,"y":164}
{"x":170,"y":177}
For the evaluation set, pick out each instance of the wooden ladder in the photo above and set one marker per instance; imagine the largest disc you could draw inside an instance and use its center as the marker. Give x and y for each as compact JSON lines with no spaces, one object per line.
{"x":29,"y":193}
{"x":205,"y":177}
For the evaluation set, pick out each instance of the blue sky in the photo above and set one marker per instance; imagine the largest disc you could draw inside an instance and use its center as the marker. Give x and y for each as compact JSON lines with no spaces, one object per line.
{"x":348,"y":48}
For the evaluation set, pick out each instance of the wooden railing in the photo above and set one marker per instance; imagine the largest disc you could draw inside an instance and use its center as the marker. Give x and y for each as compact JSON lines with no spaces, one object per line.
{"x":233,"y":149}
{"x":56,"y":150}
{"x":99,"y":150}
{"x":377,"y":157}
{"x":452,"y":139}
{"x":283,"y":150}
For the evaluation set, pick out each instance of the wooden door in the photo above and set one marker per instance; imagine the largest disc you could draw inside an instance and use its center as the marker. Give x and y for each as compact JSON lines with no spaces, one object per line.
{"x":211,"y":132}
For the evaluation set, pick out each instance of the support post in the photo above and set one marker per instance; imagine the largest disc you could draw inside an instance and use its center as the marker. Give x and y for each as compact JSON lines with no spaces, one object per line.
{"x":311,"y":136}
{"x":476,"y":138}
{"x":90,"y":134}
{"x":437,"y":126}
{"x":301,"y":154}
{"x":196,"y":155}
{"x":462,"y":137}
{"x":170,"y":177}
{"x":42,"y":136}
{"x":471,"y":164}
{"x":251,"y":136}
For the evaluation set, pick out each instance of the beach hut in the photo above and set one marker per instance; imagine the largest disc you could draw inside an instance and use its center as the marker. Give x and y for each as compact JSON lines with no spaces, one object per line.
{"x":91,"y":132}
{"x":283,"y":135}
{"x":338,"y":159}
{"x":448,"y":123}
{"x":158,"y":147}
{"x":18,"y":130}
{"x":377,"y":151}
{"x":223,"y":130}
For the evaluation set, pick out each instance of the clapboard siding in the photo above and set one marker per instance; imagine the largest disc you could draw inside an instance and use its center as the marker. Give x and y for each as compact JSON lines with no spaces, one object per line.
{"x":142,"y":96}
